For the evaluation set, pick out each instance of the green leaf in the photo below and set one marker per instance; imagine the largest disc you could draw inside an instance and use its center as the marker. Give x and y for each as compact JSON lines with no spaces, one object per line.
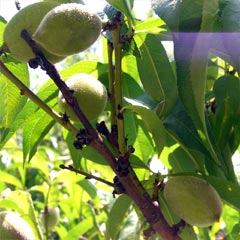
{"x":2,"y":26}
{"x":180,"y":160}
{"x":80,"y":229}
{"x":152,"y":123}
{"x":180,"y":15}
{"x":231,"y":29}
{"x":227,"y":93}
{"x":228,"y":191}
{"x":156,"y":72}
{"x":21,"y":202}
{"x":10,"y":179}
{"x":167,"y":212}
{"x":168,"y":10}
{"x":190,"y":15}
{"x":34,"y":130}
{"x":209,"y":15}
{"x":142,"y":141}
{"x":47,"y":92}
{"x":191,"y":55}
{"x":11,"y":100}
{"x":230,"y":16}
{"x":117,"y":215}
{"x":92,"y":67}
{"x":179,"y":124}
{"x":129,"y":67}
{"x":152,"y":25}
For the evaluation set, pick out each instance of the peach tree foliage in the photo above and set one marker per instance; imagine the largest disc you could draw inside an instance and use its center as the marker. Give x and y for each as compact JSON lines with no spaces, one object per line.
{"x":181,"y":110}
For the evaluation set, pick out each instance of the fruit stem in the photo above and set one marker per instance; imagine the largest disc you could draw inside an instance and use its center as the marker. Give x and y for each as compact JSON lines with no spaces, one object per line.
{"x":24,"y":90}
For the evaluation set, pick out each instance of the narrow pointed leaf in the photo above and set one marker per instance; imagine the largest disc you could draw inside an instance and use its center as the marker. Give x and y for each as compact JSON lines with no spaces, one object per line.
{"x":11,"y":100}
{"x":191,"y":55}
{"x":227,"y":92}
{"x":34,"y":130}
{"x":168,"y":11}
{"x":117,"y":215}
{"x":209,"y":15}
{"x":155,"y":72}
{"x":10,"y":179}
{"x":231,"y":28}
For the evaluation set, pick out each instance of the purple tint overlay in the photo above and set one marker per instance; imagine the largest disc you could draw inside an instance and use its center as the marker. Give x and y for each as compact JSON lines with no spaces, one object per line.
{"x":221,"y":44}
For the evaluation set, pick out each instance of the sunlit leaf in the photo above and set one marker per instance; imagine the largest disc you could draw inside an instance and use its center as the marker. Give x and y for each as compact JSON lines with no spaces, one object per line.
{"x":191,"y":55}
{"x":117,"y":215}
{"x":37,"y":126}
{"x":2,"y":26}
{"x":11,"y":100}
{"x":80,"y":229}
{"x":10,"y":179}
{"x":156,"y":72}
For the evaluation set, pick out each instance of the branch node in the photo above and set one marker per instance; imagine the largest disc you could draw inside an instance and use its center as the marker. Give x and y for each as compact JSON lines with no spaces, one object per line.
{"x":83,"y":138}
{"x":123,"y":162}
{"x":118,"y":187}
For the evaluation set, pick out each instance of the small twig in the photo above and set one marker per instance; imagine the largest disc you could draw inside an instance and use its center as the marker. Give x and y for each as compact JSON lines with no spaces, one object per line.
{"x":24,"y":90}
{"x":87,"y":175}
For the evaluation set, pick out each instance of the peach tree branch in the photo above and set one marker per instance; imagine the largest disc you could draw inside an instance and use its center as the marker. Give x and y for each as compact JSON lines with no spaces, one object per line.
{"x":132,"y":186}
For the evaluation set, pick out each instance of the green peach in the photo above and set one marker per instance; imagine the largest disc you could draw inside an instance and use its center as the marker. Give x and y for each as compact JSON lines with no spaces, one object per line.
{"x":50,"y":217}
{"x":91,"y":95}
{"x":68,"y":29}
{"x":193,"y":200}
{"x":27,"y":18}
{"x":12,"y":226}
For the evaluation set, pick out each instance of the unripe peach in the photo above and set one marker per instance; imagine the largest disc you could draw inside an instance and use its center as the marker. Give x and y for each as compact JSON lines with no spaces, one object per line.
{"x":12,"y":226}
{"x":50,"y":217}
{"x":91,"y":96}
{"x":27,"y":18}
{"x":193,"y":200}
{"x":68,"y":29}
